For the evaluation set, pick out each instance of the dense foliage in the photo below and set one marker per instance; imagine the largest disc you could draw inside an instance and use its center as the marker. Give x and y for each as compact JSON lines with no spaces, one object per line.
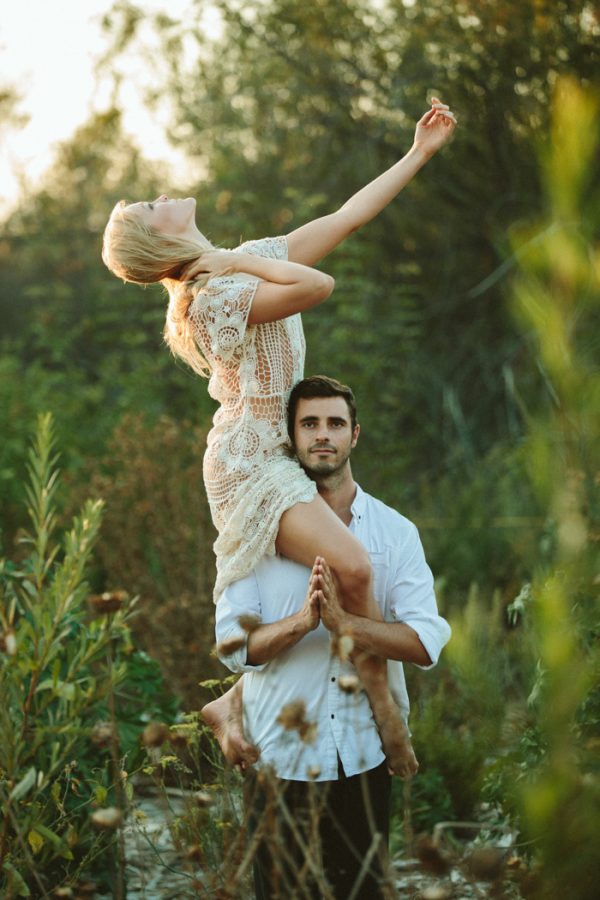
{"x":76,"y":696}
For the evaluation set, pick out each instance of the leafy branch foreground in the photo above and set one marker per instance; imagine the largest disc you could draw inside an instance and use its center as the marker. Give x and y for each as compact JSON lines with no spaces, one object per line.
{"x":66,"y":661}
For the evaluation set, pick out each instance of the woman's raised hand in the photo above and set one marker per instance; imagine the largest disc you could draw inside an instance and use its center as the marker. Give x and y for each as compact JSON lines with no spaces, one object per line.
{"x":435,"y":128}
{"x":212,"y":263}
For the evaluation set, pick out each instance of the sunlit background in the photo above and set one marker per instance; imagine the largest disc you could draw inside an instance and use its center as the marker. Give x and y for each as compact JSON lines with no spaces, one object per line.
{"x":49,"y":53}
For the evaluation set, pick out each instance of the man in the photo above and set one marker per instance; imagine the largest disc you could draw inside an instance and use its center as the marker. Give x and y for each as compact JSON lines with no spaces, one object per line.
{"x":321,"y":786}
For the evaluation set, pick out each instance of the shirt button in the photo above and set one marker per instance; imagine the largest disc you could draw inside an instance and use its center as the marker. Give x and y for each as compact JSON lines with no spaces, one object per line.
{"x":333,"y":677}
{"x":332,"y":716}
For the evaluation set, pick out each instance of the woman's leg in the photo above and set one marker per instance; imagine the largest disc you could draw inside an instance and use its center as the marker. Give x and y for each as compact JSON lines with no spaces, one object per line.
{"x":308,"y":530}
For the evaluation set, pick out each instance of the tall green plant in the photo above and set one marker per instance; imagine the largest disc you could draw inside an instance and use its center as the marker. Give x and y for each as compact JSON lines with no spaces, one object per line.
{"x":557,"y":297}
{"x":60,"y":666}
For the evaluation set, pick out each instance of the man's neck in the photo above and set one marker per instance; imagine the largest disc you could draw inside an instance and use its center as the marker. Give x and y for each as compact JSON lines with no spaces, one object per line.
{"x":339,"y":490}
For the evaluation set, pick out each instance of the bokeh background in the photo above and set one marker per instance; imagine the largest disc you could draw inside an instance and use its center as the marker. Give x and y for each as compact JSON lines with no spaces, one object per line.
{"x":465,"y":318}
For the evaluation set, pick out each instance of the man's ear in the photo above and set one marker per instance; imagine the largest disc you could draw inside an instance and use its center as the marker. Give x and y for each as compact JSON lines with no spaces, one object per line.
{"x":355,"y":435}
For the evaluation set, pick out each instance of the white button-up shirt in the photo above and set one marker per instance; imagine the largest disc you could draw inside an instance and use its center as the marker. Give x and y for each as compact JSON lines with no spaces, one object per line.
{"x":403,"y":588}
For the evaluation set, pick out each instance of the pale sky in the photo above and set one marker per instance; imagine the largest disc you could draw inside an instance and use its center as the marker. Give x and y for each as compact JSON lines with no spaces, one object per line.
{"x":47,"y":52}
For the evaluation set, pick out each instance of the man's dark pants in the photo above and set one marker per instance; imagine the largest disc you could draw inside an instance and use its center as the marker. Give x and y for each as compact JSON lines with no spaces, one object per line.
{"x":312,"y":836}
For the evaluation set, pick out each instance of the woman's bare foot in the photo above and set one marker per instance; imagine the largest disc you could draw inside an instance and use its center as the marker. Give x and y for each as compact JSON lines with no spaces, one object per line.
{"x":225,"y":717}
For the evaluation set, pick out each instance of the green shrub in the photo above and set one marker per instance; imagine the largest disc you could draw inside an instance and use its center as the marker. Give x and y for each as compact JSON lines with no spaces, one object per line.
{"x":66,"y":664}
{"x":157,"y":536}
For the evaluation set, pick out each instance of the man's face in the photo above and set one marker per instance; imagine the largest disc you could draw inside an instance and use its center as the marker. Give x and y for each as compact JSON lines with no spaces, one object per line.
{"x":323,"y":434}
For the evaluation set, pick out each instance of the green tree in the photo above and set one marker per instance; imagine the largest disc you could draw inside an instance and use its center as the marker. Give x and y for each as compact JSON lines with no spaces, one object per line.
{"x":295,"y":105}
{"x":75,"y":340}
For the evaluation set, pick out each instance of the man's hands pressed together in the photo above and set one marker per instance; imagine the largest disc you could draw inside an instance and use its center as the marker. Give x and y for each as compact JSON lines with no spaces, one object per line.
{"x":325,"y":595}
{"x":391,"y":640}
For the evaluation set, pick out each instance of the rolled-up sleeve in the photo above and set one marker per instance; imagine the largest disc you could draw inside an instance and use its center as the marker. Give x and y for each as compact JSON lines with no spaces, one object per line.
{"x":412,"y":597}
{"x":240,"y":598}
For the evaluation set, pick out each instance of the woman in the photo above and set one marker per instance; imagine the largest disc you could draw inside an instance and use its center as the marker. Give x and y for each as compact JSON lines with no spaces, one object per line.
{"x":261,"y":500}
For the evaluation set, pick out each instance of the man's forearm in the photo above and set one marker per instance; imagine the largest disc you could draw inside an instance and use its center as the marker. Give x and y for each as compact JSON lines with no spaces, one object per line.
{"x":268,"y":641}
{"x":391,"y":640}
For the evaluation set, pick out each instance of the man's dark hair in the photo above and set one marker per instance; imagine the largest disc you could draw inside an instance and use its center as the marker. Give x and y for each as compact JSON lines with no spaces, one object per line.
{"x":319,"y":386}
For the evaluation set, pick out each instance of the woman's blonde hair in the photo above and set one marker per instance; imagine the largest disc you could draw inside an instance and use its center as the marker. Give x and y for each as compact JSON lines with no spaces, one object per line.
{"x":135,"y":252}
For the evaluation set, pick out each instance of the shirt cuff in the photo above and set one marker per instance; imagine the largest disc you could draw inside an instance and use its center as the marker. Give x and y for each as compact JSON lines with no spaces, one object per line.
{"x":434,"y":635}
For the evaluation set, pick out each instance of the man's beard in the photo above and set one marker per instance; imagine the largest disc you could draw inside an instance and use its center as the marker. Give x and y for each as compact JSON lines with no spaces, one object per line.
{"x":320,"y":471}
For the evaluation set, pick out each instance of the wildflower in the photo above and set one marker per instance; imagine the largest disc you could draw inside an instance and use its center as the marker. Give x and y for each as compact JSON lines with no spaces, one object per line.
{"x":108,"y":819}
{"x":108,"y":602}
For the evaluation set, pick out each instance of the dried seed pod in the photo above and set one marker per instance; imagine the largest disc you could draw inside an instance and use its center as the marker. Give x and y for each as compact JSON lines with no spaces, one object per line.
{"x":86,"y":888}
{"x":155,"y":734}
{"x":342,"y":646}
{"x":102,"y":734}
{"x":313,"y":771}
{"x":308,"y":732}
{"x":230,"y":645}
{"x":349,"y":684}
{"x":486,"y":863}
{"x":108,"y":602}
{"x":63,"y":892}
{"x":249,"y":623}
{"x":203,"y":798}
{"x":177,"y":738}
{"x":431,"y":857}
{"x":108,"y":819}
{"x":293,"y":718}
{"x":194,"y":852}
{"x":437,"y":892}
{"x":293,"y":715}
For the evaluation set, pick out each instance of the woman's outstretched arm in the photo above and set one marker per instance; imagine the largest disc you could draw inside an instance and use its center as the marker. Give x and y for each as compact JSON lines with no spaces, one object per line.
{"x":313,"y":241}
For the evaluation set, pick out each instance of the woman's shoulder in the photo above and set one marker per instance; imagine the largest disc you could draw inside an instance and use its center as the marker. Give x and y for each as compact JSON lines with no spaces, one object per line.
{"x":269,"y":247}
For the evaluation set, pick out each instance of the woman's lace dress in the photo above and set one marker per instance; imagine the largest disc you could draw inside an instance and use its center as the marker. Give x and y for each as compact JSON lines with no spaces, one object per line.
{"x":250,"y":474}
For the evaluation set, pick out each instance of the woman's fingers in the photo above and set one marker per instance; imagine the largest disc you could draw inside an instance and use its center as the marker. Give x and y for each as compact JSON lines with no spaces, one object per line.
{"x":427,"y":117}
{"x":442,"y":109}
{"x":194,"y":268}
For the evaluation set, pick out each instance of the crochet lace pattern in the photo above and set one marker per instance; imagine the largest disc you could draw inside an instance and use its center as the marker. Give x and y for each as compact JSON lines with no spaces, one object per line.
{"x":250,"y":474}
